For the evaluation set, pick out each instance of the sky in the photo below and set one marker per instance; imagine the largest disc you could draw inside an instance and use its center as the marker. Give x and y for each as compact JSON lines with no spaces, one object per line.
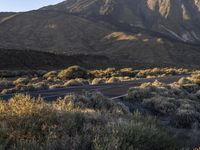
{"x":24,"y":5}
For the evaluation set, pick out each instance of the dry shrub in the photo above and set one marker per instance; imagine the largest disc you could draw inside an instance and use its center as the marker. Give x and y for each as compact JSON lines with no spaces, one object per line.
{"x":91,"y":101}
{"x":184,"y":80}
{"x":191,"y":88}
{"x":25,"y":88}
{"x":73,"y":72}
{"x":27,"y":123}
{"x":186,"y":118}
{"x":128,"y":72}
{"x":56,"y":86}
{"x":21,"y":81}
{"x":84,"y":81}
{"x":162,"y":105}
{"x":113,"y":80}
{"x":138,"y":93}
{"x":50,"y":74}
{"x":40,"y":86}
{"x":195,"y":78}
{"x":9,"y":91}
{"x":97,"y":81}
{"x":4,"y":83}
{"x":178,"y":102}
{"x":107,"y":73}
{"x":134,"y":134}
{"x":73,"y":82}
{"x":161,"y":71}
{"x":21,"y":105}
{"x":35,"y":79}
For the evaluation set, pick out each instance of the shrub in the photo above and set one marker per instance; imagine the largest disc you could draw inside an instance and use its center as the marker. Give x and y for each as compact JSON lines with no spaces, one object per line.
{"x":9,"y":91}
{"x":35,"y":79}
{"x":28,"y":123}
{"x":91,"y":101}
{"x":161,"y":71}
{"x":191,"y":88}
{"x":50,"y":74}
{"x":186,"y":118}
{"x":138,"y":93}
{"x":135,"y":134}
{"x":97,"y":81}
{"x":84,"y":81}
{"x":107,"y":73}
{"x":128,"y":72}
{"x":73,"y":72}
{"x":113,"y":80}
{"x":40,"y":86}
{"x":73,"y":82}
{"x":195,"y":78}
{"x":5,"y":83}
{"x":21,"y":81}
{"x":162,"y":105}
{"x":183,"y":81}
{"x":56,"y":86}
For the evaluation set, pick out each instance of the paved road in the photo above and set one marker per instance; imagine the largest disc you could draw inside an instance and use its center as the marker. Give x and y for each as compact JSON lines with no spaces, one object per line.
{"x":110,"y":90}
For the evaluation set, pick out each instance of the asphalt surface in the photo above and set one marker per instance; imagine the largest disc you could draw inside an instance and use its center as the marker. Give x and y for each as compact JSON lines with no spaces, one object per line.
{"x":112,"y":91}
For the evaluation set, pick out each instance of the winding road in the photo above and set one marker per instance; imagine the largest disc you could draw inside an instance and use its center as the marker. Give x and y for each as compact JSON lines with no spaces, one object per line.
{"x":113,"y":91}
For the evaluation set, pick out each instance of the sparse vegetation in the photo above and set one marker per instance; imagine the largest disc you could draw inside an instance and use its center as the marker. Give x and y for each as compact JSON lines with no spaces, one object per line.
{"x":177,"y":105}
{"x":77,"y":76}
{"x":104,"y":124}
{"x":88,"y":121}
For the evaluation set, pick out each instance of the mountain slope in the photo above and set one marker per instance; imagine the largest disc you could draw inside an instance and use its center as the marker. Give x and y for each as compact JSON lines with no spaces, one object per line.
{"x":179,"y":19}
{"x":50,"y":30}
{"x":95,"y":27}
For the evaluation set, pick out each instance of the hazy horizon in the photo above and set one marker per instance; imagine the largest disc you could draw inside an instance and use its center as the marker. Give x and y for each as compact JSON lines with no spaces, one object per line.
{"x":24,"y":5}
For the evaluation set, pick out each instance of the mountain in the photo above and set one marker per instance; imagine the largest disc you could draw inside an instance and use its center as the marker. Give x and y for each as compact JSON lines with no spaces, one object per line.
{"x":131,"y":32}
{"x":179,"y":19}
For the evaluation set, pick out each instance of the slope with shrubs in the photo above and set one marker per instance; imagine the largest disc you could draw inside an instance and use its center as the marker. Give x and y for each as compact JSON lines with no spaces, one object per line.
{"x":177,"y":105}
{"x":88,"y":121}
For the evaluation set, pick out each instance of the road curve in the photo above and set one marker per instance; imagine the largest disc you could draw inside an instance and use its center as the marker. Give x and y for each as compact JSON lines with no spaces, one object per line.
{"x":109,"y":90}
